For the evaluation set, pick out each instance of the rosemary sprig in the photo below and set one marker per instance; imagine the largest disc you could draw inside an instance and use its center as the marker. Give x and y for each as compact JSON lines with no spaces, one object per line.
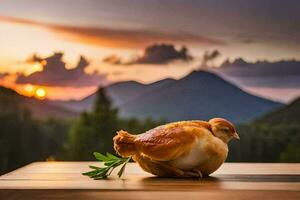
{"x":110,"y":163}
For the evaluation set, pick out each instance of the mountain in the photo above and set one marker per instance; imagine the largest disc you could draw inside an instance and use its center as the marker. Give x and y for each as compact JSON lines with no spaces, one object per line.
{"x":241,"y":68}
{"x":125,"y":92}
{"x":120,"y":93}
{"x":199,"y":95}
{"x":11,"y":100}
{"x":289,"y":114}
{"x":277,"y":79}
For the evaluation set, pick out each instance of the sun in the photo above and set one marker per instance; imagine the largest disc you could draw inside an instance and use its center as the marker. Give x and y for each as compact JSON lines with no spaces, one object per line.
{"x":40,"y":93}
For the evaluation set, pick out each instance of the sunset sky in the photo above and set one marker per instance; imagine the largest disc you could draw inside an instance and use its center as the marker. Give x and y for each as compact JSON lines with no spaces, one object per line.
{"x":103,"y":41}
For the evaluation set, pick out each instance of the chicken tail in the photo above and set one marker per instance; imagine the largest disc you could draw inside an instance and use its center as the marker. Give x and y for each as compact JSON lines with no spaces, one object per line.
{"x":124,"y":143}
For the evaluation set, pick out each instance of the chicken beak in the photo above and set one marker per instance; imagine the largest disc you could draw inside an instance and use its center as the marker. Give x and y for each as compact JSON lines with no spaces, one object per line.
{"x":236,"y":136}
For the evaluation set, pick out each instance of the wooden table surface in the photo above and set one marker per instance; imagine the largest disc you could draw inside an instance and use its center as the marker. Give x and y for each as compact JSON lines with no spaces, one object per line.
{"x":63,"y":180}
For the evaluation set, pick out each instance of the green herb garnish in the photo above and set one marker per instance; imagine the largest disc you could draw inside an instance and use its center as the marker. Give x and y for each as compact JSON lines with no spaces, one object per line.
{"x":110,"y":163}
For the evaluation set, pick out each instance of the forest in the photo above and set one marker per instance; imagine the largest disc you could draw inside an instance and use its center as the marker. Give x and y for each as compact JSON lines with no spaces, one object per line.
{"x":24,"y":139}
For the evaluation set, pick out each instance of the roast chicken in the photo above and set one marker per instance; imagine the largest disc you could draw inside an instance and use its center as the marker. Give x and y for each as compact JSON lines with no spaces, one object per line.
{"x":179,"y":149}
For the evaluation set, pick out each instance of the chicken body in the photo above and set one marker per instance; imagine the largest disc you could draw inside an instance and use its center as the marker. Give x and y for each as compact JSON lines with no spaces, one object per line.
{"x":206,"y":156}
{"x":179,"y":149}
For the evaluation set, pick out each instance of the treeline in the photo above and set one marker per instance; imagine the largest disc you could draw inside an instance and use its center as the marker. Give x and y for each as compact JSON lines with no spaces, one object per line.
{"x":274,"y":137}
{"x":262,"y":142}
{"x":24,"y":139}
{"x":94,"y":131}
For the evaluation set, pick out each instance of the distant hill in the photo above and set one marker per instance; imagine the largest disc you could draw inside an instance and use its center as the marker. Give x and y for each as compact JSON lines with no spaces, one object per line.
{"x":278,"y":79}
{"x":120,"y":93}
{"x":199,"y":95}
{"x":289,"y":114}
{"x":11,"y":100}
{"x":242,"y":68}
{"x":125,"y":92}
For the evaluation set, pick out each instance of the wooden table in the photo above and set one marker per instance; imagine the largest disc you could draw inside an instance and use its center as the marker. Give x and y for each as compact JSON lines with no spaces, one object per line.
{"x":63,"y":180}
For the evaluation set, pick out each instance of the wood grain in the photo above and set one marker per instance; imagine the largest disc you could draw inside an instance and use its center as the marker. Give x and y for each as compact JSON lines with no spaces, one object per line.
{"x":63,"y":180}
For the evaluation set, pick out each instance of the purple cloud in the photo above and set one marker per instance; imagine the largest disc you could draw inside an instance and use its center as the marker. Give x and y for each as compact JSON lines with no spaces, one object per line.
{"x":56,"y":74}
{"x":154,"y":54}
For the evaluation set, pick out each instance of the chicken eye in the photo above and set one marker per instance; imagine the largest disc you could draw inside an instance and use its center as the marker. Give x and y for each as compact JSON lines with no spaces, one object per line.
{"x":226,"y":130}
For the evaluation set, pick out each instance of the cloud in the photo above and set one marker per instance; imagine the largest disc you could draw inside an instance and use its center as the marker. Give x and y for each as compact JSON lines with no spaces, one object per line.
{"x":283,"y":74}
{"x":154,"y":54}
{"x":210,"y":56}
{"x":55,"y":73}
{"x":241,"y":68}
{"x":34,"y":58}
{"x":120,"y":38}
{"x":113,"y":59}
{"x":2,"y":75}
{"x":248,"y":41}
{"x":163,"y":53}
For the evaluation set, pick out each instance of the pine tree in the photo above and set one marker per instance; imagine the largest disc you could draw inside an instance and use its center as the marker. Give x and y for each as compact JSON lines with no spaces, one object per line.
{"x":94,"y":131}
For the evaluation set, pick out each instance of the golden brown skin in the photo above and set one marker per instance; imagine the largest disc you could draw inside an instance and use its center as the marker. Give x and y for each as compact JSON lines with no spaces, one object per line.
{"x":179,"y":149}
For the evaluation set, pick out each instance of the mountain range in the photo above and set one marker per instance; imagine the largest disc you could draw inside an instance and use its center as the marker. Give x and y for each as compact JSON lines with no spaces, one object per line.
{"x":199,"y":95}
{"x":279,"y":80}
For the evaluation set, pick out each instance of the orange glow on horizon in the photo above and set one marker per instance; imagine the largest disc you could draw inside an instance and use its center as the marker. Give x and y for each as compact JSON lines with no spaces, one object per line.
{"x":29,"y":90}
{"x":52,"y":92}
